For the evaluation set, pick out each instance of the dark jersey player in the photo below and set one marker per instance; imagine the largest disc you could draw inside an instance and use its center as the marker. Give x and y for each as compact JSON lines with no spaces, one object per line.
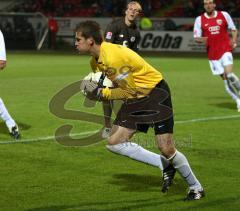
{"x":124,"y":31}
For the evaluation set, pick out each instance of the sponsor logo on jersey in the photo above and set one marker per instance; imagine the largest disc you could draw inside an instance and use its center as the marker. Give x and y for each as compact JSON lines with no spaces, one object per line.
{"x":125,"y":43}
{"x":219,"y":21}
{"x":214,"y":29}
{"x":109,"y":35}
{"x":132,"y":39}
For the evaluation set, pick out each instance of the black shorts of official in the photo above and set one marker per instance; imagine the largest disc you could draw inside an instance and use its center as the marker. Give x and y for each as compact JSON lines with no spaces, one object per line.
{"x":154,"y":110}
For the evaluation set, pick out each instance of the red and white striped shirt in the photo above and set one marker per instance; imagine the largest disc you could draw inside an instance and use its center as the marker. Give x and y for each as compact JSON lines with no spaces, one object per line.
{"x":216,"y":30}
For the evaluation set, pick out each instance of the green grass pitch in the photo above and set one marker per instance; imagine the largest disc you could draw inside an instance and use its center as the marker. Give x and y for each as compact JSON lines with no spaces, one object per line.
{"x":44,"y":175}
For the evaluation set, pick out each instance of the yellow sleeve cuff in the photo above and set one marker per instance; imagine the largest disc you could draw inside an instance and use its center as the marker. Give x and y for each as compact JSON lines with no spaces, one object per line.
{"x":106,"y":93}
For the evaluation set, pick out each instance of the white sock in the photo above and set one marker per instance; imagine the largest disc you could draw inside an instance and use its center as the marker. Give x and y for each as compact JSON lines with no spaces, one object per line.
{"x":181,"y":164}
{"x":234,"y":80}
{"x":6,"y":116}
{"x":138,"y":153}
{"x":230,"y":91}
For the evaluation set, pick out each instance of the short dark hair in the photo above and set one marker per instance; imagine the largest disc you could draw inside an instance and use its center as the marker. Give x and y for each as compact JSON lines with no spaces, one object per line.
{"x":90,"y":29}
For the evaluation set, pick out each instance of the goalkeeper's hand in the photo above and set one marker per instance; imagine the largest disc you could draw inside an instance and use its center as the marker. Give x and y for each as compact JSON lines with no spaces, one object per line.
{"x":91,"y":90}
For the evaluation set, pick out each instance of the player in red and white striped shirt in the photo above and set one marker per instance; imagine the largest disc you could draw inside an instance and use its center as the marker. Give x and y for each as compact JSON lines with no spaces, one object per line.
{"x":211,"y":28}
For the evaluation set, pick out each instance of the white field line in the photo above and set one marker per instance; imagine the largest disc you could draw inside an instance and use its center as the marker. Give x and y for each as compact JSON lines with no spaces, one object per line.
{"x":46,"y":138}
{"x":207,"y":119}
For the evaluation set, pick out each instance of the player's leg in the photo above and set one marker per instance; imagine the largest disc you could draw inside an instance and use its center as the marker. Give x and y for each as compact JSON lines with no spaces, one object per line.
{"x":231,"y":91}
{"x":164,"y":136}
{"x":180,"y":163}
{"x":229,"y":88}
{"x":107,"y":110}
{"x":218,"y":69}
{"x":233,"y":80}
{"x":168,"y":170}
{"x":10,"y":123}
{"x":119,"y":143}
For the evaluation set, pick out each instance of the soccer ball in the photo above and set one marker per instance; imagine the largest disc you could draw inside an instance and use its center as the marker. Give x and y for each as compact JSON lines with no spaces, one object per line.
{"x":96,"y":77}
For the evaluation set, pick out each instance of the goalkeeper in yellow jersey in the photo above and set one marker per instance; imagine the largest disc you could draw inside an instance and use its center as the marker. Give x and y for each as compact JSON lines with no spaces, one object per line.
{"x":146,"y":103}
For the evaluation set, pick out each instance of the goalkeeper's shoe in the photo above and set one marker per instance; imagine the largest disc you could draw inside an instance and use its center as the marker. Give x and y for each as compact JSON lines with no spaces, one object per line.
{"x":14,"y":132}
{"x":168,"y":176}
{"x":194,"y":195}
{"x":106,"y":132}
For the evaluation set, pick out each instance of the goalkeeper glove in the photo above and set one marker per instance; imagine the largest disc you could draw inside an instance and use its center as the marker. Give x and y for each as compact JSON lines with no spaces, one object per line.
{"x":91,"y":89}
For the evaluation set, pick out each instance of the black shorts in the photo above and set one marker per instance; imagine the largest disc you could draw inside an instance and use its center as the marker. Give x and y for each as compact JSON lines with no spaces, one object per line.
{"x":154,"y":110}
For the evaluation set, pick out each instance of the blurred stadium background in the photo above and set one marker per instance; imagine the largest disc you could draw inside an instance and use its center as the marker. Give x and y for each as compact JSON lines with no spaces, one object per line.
{"x":39,"y":174}
{"x":25,"y":23}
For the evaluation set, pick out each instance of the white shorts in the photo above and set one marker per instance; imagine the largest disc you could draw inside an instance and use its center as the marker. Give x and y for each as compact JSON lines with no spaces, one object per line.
{"x":217,"y":66}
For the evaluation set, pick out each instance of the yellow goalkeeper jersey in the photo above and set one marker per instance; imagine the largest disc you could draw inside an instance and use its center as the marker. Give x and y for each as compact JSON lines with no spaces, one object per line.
{"x":132,"y":76}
